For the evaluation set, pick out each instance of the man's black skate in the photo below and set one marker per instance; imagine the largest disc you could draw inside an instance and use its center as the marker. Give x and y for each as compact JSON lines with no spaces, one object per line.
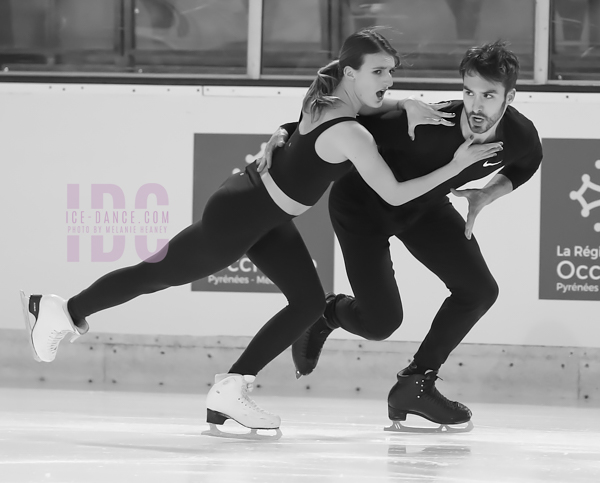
{"x":307,"y":349}
{"x":417,"y":394}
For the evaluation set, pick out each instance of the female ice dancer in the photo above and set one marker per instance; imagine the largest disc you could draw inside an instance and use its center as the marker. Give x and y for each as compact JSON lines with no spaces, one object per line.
{"x":252,"y":213}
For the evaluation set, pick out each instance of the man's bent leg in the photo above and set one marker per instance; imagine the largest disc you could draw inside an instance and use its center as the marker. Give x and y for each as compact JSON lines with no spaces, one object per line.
{"x":438,"y":241}
{"x":375,"y":311}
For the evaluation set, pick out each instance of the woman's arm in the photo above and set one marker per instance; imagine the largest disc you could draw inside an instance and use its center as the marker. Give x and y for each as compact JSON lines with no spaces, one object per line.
{"x":355,"y":143}
{"x":413,"y":107}
{"x":417,"y":112}
{"x":388,"y":105}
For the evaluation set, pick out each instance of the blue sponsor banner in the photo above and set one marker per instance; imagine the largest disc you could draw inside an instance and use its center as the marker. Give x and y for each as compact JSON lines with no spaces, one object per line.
{"x":216,"y":157}
{"x":570,"y":220}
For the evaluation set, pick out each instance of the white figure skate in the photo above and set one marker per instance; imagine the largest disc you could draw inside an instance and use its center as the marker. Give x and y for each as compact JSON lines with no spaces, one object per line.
{"x":48,"y":322}
{"x":228,"y":399}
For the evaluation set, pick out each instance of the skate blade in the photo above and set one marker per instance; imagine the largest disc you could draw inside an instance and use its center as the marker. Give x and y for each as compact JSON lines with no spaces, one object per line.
{"x":28,"y":326}
{"x":253,"y":435}
{"x":398,"y":427}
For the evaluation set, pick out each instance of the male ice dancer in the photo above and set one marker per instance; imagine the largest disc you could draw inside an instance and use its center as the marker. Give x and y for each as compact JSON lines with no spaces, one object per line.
{"x":430,"y":227}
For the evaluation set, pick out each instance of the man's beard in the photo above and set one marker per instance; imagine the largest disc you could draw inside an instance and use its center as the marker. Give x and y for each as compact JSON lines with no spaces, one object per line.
{"x":487,"y":123}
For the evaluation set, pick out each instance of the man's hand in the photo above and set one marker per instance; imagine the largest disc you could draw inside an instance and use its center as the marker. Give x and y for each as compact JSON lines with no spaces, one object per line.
{"x":419,"y":112}
{"x":477,"y":198}
{"x":498,"y":186}
{"x":278,"y":139}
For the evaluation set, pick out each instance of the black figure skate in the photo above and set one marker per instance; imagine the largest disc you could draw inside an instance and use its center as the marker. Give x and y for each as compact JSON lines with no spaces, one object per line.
{"x":417,"y":394}
{"x":307,"y":349}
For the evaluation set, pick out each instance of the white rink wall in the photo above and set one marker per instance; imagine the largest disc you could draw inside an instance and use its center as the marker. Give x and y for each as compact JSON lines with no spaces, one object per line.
{"x":55,"y":135}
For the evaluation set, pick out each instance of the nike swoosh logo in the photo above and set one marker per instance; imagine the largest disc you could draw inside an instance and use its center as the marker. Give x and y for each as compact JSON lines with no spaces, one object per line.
{"x":487,"y":164}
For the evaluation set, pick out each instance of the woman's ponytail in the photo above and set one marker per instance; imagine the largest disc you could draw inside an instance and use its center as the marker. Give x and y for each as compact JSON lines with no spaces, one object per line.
{"x":319,"y":93}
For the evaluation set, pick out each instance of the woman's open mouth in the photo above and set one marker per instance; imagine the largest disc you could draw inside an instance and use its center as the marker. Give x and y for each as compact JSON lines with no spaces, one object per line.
{"x":381,"y":93}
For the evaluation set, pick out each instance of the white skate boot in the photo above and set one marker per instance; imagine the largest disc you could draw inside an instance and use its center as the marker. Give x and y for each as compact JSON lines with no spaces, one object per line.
{"x":228,"y":399}
{"x":47,"y":321}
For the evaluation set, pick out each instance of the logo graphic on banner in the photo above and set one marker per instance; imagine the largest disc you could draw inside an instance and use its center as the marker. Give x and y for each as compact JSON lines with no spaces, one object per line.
{"x":587,"y":207}
{"x":217,"y":156}
{"x":570,"y":220}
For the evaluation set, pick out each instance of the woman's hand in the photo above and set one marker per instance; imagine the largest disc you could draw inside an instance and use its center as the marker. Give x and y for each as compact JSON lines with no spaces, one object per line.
{"x":278,"y":139}
{"x":469,"y":153}
{"x":419,"y":112}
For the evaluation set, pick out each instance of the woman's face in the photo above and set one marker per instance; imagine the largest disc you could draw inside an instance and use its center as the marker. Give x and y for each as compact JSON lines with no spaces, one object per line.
{"x":373,"y":78}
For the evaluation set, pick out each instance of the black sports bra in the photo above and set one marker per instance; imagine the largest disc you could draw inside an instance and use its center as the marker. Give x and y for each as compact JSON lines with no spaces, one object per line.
{"x":298,"y":170}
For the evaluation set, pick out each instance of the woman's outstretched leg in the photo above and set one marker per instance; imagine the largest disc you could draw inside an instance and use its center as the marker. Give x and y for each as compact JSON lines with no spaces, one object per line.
{"x":235,"y":217}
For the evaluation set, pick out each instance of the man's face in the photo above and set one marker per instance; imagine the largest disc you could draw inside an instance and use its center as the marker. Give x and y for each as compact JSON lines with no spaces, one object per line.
{"x":485,"y":102}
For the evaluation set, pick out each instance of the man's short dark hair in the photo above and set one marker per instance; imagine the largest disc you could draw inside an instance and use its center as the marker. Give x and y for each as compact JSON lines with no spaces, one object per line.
{"x":493,"y":62}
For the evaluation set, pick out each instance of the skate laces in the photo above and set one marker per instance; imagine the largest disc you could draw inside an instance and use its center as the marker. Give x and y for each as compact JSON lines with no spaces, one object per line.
{"x":55,"y":337}
{"x":247,"y":387}
{"x":437,"y":396}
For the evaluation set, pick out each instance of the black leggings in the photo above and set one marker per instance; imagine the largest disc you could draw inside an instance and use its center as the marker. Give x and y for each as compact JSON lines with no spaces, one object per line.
{"x":240,"y":218}
{"x":434,"y":236}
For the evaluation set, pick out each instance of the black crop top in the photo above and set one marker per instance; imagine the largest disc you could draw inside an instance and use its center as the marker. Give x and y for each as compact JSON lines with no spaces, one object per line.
{"x":299,"y":171}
